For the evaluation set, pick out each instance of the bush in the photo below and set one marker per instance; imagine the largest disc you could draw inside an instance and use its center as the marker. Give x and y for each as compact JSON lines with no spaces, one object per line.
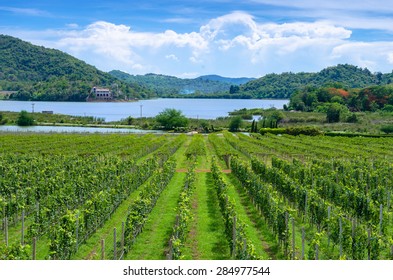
{"x":171,"y":119}
{"x":235,"y":124}
{"x":352,"y":118}
{"x":387,"y":128}
{"x":388,"y":108}
{"x":275,"y":131}
{"x":24,"y":119}
{"x":304,"y":130}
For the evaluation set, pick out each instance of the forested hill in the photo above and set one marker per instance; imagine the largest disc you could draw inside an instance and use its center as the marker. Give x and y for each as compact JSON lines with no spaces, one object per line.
{"x":285,"y":84}
{"x":282,"y":85}
{"x":165,"y":85}
{"x":232,"y":81}
{"x":36,"y":73}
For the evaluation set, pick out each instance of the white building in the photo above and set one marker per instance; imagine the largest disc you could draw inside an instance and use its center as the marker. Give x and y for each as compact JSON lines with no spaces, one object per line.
{"x":102,"y":93}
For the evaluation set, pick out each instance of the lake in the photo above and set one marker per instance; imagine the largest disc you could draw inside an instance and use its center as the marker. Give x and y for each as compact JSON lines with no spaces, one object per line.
{"x":114,"y":111}
{"x":73,"y":129}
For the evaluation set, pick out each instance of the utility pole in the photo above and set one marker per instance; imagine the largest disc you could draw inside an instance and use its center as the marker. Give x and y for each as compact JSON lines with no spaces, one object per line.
{"x":141,"y":109}
{"x":32,"y":107}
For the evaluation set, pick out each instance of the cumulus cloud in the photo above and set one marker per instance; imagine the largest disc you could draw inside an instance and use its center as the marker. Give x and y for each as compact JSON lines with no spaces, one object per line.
{"x":172,"y":57}
{"x":120,"y":44}
{"x":376,"y":56}
{"x":235,"y":44}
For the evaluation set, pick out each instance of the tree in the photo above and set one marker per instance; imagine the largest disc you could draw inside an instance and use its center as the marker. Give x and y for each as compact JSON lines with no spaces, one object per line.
{"x":24,"y":119}
{"x":172,"y":118}
{"x":334,"y":112}
{"x":235,"y":123}
{"x":129,"y":120}
{"x":387,"y":128}
{"x":234,"y":89}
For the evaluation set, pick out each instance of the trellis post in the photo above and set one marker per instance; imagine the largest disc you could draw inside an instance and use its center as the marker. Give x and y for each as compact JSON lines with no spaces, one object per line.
{"x":114,"y":244}
{"x":234,"y":237}
{"x":23,"y":228}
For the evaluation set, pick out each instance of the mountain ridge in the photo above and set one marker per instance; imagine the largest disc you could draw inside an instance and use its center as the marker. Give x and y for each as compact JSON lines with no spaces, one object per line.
{"x":33,"y":72}
{"x":169,"y":85}
{"x":29,"y":72}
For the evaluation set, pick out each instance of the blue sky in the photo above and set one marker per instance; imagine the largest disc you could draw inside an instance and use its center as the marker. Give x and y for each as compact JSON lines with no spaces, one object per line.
{"x":190,"y":38}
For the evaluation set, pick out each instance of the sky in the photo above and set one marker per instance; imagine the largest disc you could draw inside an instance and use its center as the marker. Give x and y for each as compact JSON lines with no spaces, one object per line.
{"x":187,"y":39}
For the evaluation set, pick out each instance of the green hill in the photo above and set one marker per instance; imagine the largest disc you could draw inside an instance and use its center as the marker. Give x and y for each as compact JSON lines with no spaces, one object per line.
{"x":231,"y":81}
{"x":32,"y":72}
{"x":165,"y":85}
{"x":285,"y":84}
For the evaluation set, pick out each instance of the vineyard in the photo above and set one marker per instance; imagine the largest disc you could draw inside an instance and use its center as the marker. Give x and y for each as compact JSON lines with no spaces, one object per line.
{"x":216,"y":196}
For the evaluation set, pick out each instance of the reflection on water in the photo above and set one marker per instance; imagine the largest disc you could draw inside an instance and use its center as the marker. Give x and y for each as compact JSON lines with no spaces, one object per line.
{"x":70,"y":129}
{"x":114,"y":111}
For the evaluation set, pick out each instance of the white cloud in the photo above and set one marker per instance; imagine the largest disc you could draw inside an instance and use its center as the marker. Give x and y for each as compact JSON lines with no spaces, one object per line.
{"x":373,"y":55}
{"x":122,"y":46}
{"x":346,"y":5}
{"x":347,"y":13}
{"x":26,"y":11}
{"x":72,"y":25}
{"x":172,"y":57}
{"x":236,"y":44}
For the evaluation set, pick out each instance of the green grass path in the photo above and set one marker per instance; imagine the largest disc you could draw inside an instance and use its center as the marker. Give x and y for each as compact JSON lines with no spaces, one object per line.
{"x":152,"y":243}
{"x":206,"y":238}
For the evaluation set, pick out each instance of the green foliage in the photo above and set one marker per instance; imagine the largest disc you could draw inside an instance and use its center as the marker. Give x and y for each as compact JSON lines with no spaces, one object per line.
{"x":171,"y":119}
{"x":334,"y":112}
{"x":235,"y":124}
{"x":286,"y":84}
{"x":25,"y":119}
{"x":387,"y":128}
{"x":2,"y":119}
{"x":367,"y":99}
{"x":296,"y":130}
{"x":271,"y":118}
{"x":196,"y":147}
{"x":388,"y":108}
{"x":14,"y":252}
{"x":164,"y":85}
{"x":38,"y":73}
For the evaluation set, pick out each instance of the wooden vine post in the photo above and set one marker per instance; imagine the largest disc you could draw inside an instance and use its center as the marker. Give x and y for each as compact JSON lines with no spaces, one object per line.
{"x":234,"y":238}
{"x":293,"y":239}
{"x":22,"y":241}
{"x":102,"y":249}
{"x":114,"y":244}
{"x":122,"y":240}
{"x":341,"y":237}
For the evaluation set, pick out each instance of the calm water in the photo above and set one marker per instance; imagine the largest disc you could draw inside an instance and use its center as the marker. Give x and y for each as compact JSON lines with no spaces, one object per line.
{"x":70,"y":129}
{"x":113,"y":111}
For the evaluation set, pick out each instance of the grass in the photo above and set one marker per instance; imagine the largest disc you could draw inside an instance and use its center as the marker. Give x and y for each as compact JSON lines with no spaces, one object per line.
{"x":152,"y":243}
{"x":206,"y":239}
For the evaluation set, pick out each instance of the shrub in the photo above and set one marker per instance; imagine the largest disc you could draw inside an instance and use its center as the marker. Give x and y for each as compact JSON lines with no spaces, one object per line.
{"x":387,"y":128}
{"x":171,"y":119}
{"x":24,"y":119}
{"x":235,"y":124}
{"x":304,"y":130}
